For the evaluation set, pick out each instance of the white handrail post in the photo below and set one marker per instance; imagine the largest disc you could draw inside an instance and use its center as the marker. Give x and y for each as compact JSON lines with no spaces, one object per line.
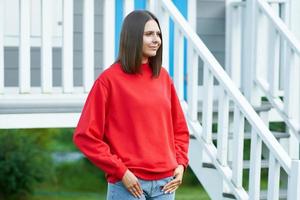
{"x":46,"y":47}
{"x":88,"y":44}
{"x":233,"y":42}
{"x":1,"y":47}
{"x":67,"y":50}
{"x":250,"y":52}
{"x":294,"y":181}
{"x":24,"y":49}
{"x":108,"y":37}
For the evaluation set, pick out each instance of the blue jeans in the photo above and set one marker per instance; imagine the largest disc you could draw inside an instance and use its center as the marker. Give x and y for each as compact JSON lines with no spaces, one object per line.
{"x":151,"y":190}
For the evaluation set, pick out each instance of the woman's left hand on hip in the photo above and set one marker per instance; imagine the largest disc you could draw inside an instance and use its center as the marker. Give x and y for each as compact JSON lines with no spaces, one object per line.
{"x":176,"y":182}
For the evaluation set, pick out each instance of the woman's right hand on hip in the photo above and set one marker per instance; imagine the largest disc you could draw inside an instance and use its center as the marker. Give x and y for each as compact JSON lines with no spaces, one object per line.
{"x":132,"y":184}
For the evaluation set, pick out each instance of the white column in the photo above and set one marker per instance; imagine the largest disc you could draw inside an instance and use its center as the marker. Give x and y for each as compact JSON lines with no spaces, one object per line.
{"x":178,"y":61}
{"x":67,"y":49}
{"x":46,"y":48}
{"x":1,"y":46}
{"x":24,"y":49}
{"x":108,"y":33}
{"x":192,"y":66}
{"x":128,"y":6}
{"x":88,"y":44}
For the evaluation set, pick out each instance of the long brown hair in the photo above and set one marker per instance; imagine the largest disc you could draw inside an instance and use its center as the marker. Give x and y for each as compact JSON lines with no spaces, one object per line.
{"x":131,"y":43}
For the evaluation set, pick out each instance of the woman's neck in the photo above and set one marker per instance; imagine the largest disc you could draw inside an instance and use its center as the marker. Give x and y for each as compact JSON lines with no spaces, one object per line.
{"x":144,"y":60}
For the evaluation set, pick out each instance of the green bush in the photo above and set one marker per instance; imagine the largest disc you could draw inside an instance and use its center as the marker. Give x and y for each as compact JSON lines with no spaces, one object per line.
{"x":22,"y":164}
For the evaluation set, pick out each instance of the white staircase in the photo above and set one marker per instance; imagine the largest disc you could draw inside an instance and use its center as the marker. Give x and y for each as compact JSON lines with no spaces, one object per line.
{"x":223,"y":123}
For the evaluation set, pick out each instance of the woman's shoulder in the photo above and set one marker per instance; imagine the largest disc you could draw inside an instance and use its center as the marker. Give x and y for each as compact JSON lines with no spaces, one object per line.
{"x":165,"y":74}
{"x":109,"y":73}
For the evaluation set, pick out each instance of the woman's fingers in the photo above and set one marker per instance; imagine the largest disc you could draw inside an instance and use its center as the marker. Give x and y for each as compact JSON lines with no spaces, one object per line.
{"x":132,"y":184}
{"x":172,"y":189}
{"x":135,"y":190}
{"x":172,"y":184}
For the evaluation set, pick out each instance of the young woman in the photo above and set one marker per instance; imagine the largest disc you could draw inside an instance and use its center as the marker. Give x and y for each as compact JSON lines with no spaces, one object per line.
{"x":132,"y":126}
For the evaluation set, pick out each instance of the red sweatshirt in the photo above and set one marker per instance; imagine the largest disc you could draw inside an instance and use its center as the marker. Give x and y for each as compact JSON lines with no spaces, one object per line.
{"x":135,"y":122}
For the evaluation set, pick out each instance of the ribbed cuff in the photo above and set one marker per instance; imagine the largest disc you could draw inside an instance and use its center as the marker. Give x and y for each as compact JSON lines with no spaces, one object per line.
{"x":182,"y":162}
{"x":120,"y":172}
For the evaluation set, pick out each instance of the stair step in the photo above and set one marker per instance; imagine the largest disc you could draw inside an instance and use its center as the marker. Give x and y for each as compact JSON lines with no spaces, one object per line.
{"x":228,"y":195}
{"x":276,"y":134}
{"x":264,"y":107}
{"x":263,"y":195}
{"x":246,"y":164}
{"x":208,"y":165}
{"x":282,"y":194}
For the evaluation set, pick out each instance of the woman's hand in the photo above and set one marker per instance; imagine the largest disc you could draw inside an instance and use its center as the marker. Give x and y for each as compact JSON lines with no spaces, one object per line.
{"x":176,"y":182}
{"x":132,"y":184}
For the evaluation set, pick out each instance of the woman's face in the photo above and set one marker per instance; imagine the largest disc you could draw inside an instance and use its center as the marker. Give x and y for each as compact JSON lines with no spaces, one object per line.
{"x":151,"y":40}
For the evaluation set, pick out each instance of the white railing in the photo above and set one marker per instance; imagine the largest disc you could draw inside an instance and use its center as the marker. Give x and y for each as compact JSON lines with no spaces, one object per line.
{"x":229,"y":94}
{"x":48,"y":25}
{"x":30,"y":10}
{"x":276,"y":58}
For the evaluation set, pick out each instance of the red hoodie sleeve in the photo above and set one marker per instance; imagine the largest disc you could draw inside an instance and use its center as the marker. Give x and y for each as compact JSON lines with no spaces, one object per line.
{"x":181,"y":133}
{"x":89,"y":132}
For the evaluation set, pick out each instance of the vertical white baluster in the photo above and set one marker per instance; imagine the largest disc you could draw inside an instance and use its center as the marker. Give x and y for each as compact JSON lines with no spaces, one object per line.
{"x":207,"y":104}
{"x":108,"y":29}
{"x":274,"y":177}
{"x":67,"y":50}
{"x":255,"y":166}
{"x":273,"y":71}
{"x":178,"y":61}
{"x":128,"y":6}
{"x":238,"y":147}
{"x":223,"y":120}
{"x":164,"y":25}
{"x":193,"y":87}
{"x":24,"y":50}
{"x":1,"y":46}
{"x":294,"y":181}
{"x":46,"y":49}
{"x":262,"y":47}
{"x":88,"y":44}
